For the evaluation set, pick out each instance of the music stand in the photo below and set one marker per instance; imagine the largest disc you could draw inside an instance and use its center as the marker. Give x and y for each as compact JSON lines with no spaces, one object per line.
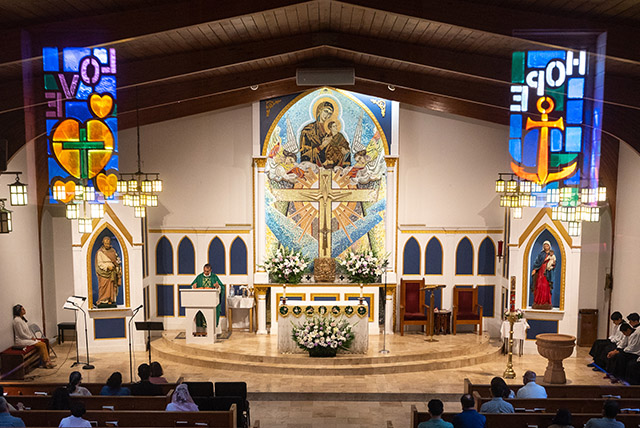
{"x":74,"y":303}
{"x":149,"y":326}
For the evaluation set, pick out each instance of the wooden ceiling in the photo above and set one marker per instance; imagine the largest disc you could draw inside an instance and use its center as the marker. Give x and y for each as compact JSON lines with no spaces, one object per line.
{"x":185,"y":57}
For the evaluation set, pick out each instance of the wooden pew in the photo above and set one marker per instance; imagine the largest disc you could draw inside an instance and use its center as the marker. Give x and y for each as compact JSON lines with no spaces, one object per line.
{"x":96,"y":402}
{"x":565,"y":391}
{"x":129,"y":418}
{"x":30,"y":388}
{"x":526,"y":420}
{"x":551,"y":405}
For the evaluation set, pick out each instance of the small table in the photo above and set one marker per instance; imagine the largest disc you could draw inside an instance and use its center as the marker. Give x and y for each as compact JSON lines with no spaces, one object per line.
{"x":442,"y":321}
{"x":62,"y":327}
{"x":520,"y":328}
{"x":242,"y":303}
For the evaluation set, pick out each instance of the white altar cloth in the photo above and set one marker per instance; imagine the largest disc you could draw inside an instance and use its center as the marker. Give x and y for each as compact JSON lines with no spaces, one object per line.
{"x":520,"y":328}
{"x":359,"y":326}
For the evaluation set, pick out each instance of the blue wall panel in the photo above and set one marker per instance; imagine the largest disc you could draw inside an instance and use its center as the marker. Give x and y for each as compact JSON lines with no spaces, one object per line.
{"x":541,"y":326}
{"x":433,"y":257}
{"x":164,"y":300}
{"x":487,"y":257}
{"x":464,"y":257}
{"x":217,"y":257}
{"x":186,"y":257}
{"x":109,"y":328}
{"x":411,"y":257}
{"x":164,"y":257}
{"x":238,"y":255}
{"x":486,"y":299}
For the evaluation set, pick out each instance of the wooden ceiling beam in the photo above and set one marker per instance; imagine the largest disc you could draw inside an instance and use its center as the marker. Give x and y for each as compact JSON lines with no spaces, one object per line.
{"x":504,"y":21}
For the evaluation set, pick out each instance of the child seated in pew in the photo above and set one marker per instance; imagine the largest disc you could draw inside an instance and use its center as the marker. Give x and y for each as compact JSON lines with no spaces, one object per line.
{"x":562,"y":419}
{"x":181,"y":400}
{"x":76,"y":419}
{"x":156,"y":374}
{"x":114,"y":386}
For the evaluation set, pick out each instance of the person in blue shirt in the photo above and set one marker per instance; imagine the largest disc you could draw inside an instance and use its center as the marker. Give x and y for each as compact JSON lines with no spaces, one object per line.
{"x":114,"y":386}
{"x":497,"y":404}
{"x":609,"y":411}
{"x":6,"y":420}
{"x":469,"y":418}
{"x":436,"y":408}
{"x":531,"y":389}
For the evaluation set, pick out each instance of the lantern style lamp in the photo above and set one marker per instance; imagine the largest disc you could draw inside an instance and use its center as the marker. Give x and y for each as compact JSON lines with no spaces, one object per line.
{"x":6,"y":224}
{"x":500,"y":185}
{"x":18,"y":192}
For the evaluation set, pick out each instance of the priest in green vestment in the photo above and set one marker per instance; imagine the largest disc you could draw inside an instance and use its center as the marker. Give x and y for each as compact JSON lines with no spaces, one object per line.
{"x":207,"y":279}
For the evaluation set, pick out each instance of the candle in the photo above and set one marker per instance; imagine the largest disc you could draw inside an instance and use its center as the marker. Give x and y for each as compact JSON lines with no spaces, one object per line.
{"x":361,"y":290}
{"x":284,"y":293}
{"x":512,"y":295}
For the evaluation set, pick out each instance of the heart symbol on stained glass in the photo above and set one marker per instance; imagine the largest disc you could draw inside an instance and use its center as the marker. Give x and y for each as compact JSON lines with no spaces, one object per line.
{"x":82,"y":151}
{"x":107,"y":184}
{"x":69,"y":190}
{"x":101,"y":105}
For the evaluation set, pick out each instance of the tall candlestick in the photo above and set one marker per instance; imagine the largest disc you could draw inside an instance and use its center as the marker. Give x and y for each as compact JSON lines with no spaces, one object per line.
{"x":512,"y":295}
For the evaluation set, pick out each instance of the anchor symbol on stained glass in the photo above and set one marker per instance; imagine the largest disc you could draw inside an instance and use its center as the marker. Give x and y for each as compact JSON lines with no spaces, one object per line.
{"x":543,"y":175}
{"x":83,"y":151}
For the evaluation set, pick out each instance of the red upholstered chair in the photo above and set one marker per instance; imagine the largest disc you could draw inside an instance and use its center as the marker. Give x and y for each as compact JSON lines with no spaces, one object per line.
{"x":465,"y":308}
{"x":412,"y":305}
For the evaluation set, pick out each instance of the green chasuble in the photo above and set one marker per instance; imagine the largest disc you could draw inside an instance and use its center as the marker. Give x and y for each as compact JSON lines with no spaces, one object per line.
{"x":202,"y":281}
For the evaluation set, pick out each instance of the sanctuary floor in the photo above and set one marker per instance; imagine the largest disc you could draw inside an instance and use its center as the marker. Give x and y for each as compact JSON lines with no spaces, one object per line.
{"x":301,"y":401}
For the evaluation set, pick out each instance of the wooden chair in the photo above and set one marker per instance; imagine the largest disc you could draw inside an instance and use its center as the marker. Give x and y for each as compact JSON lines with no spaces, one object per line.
{"x":412,"y":304}
{"x":465,"y":308}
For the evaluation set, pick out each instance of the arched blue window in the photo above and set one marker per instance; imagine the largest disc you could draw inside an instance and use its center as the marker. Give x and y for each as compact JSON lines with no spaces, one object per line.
{"x":164,"y":257}
{"x":411,"y":257}
{"x":464,"y":257}
{"x":217,"y":256}
{"x":186,"y":257}
{"x":433,"y":257}
{"x":487,"y":257}
{"x":238,"y":255}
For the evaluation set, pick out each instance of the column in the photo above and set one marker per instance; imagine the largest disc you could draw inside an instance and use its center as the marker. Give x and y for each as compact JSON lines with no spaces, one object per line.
{"x":261,"y":293}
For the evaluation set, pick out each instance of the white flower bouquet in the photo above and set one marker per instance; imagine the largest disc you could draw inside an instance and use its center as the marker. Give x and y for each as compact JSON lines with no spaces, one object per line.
{"x":323,"y":336}
{"x":518,"y":314}
{"x":363,"y":268}
{"x":286,"y":266}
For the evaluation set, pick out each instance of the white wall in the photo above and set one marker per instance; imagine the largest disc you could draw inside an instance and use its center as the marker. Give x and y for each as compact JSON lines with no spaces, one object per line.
{"x":205,"y":162}
{"x":626,"y":269}
{"x":19,"y":254}
{"x":448,"y":167}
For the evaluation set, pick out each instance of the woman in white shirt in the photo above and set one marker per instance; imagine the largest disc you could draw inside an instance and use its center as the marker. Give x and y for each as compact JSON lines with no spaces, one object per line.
{"x":23,"y":336}
{"x":74,"y":387}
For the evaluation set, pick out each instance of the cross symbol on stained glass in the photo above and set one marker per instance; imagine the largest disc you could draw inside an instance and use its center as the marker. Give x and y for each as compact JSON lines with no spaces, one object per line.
{"x":84,"y":147}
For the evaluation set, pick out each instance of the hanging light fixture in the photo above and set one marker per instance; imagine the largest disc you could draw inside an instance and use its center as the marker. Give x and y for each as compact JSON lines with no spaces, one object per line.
{"x":6,"y":224}
{"x":139,"y":189}
{"x":18,"y":191}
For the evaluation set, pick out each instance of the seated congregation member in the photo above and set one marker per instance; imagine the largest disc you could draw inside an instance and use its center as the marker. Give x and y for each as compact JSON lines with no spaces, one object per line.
{"x":497,"y":404}
{"x":11,"y":408}
{"x":156,"y":374}
{"x":602,"y":347}
{"x":60,"y":399}
{"x":23,"y":336}
{"x":181,"y":400}
{"x":6,"y":420}
{"x":631,"y":352}
{"x":114,"y":386}
{"x":562,"y":419}
{"x":436,"y":408}
{"x":469,"y":418}
{"x":74,"y":388}
{"x":632,"y":374}
{"x":144,"y":387}
{"x":531,"y":389}
{"x":609,"y":411}
{"x":76,"y":419}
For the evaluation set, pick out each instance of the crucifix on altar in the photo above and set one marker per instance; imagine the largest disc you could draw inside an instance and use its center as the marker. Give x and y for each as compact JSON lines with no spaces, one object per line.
{"x":325,"y":195}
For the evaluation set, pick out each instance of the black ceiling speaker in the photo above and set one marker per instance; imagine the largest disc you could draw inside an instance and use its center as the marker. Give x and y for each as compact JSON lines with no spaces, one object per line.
{"x":325,"y":76}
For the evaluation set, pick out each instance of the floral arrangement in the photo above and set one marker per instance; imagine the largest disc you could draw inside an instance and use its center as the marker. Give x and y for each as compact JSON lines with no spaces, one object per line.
{"x":518,"y":313}
{"x":323,"y":332}
{"x":286,"y":266}
{"x":363,"y":268}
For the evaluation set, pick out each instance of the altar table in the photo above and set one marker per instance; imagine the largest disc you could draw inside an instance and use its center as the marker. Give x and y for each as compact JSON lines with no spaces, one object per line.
{"x":296,"y":317}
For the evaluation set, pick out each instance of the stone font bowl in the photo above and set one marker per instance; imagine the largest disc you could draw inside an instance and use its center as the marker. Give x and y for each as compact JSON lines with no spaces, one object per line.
{"x":555,"y":347}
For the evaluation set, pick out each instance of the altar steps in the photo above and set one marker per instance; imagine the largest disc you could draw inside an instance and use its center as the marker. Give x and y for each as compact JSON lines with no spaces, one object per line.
{"x":416,"y":355}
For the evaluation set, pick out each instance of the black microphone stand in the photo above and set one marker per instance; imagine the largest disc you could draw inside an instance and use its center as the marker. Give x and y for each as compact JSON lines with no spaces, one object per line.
{"x":135,"y":312}
{"x":87,"y":366}
{"x":75,"y":321}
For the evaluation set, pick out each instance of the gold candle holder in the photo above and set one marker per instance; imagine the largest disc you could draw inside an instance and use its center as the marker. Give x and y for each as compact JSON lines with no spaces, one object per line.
{"x":509,"y":373}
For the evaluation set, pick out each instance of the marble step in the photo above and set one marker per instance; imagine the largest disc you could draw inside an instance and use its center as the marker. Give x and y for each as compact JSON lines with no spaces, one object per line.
{"x":434,"y":352}
{"x":321,"y":367}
